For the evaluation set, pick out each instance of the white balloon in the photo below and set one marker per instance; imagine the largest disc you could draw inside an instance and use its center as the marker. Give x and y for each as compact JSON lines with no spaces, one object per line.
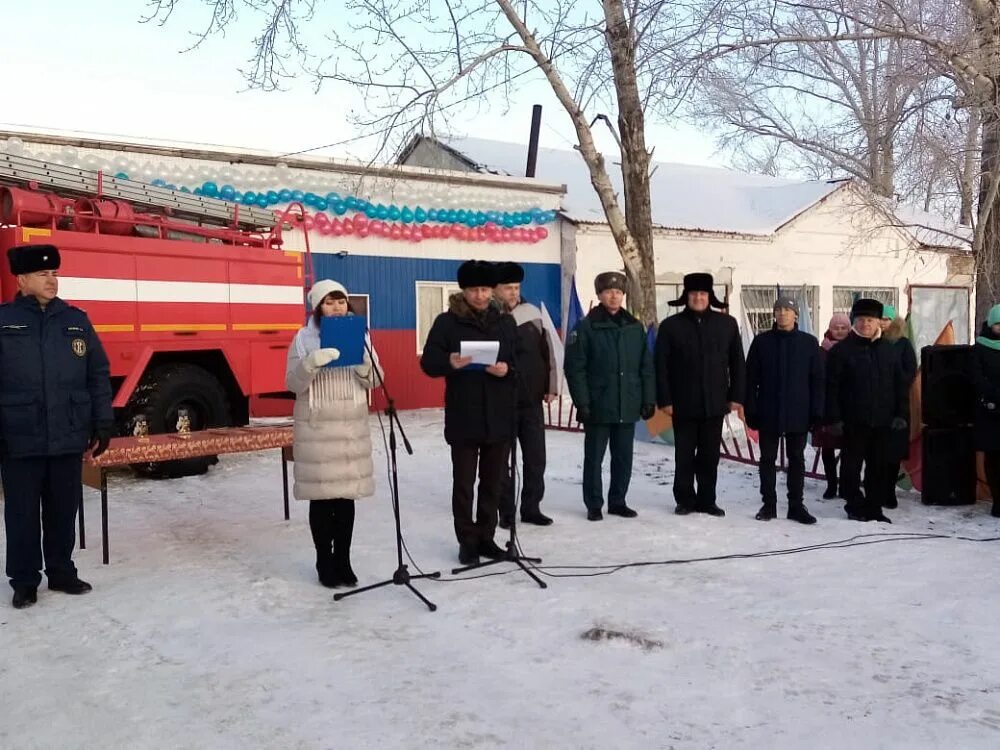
{"x":15,"y":146}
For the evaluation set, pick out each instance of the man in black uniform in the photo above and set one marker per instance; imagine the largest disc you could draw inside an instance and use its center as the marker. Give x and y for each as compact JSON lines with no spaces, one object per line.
{"x":700,"y":377}
{"x":478,"y":405}
{"x":536,"y":374}
{"x":55,"y":402}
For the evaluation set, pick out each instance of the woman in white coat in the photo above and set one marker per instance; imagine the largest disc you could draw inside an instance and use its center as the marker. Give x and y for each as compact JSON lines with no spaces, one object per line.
{"x":333,"y":448}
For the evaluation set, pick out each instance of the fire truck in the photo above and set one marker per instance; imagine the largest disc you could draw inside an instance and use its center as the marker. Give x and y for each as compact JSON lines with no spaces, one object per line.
{"x":193,"y":298}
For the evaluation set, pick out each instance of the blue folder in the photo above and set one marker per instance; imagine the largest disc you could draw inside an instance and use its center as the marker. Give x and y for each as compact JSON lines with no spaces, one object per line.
{"x":346,"y":333}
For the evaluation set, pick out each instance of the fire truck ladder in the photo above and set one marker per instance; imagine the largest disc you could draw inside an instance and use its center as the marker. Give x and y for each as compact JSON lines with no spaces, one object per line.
{"x":25,"y":172}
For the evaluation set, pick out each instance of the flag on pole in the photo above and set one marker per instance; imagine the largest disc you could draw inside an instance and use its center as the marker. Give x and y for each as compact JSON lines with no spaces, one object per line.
{"x":575,"y":312}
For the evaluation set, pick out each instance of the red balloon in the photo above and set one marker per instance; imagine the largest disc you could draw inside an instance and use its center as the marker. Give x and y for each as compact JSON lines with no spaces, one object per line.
{"x":307,"y":224}
{"x":518,"y":234}
{"x":416,"y":236}
{"x":362,"y":231}
{"x":542,"y":233}
{"x":323,"y":229}
{"x":337,"y":228}
{"x":426,"y":230}
{"x":481,"y":234}
{"x":460,"y":233}
{"x":395,"y":231}
{"x":360,"y":220}
{"x":348,"y":226}
{"x":506,"y":234}
{"x":378,"y":228}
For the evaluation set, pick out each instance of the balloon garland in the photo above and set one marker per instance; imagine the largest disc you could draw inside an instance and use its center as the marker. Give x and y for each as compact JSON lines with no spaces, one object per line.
{"x":361,"y":226}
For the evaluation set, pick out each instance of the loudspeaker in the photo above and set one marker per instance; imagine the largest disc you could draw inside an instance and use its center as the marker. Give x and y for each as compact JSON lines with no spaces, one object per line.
{"x":947,"y":393}
{"x":949,"y":466}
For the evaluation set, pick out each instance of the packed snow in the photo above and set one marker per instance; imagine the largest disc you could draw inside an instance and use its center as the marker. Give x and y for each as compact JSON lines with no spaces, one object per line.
{"x":209,"y":629}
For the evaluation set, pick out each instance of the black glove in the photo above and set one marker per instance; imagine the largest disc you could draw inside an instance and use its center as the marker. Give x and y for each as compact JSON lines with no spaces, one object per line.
{"x":99,"y":441}
{"x":647,"y":411}
{"x":899,"y":424}
{"x":836,"y":429}
{"x":582,"y":414}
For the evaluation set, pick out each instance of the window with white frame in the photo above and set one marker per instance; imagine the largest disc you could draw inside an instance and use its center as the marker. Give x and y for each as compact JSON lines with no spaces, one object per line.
{"x":666,"y":293}
{"x":758,"y":305}
{"x":432,"y":300}
{"x":844,"y":296}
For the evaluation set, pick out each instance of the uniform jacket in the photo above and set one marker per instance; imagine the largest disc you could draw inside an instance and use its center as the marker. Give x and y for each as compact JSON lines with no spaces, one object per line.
{"x":699,"y":364}
{"x":609,"y":369}
{"x":333,"y":446}
{"x":479,"y":408}
{"x":536,"y":368}
{"x":784,"y":382}
{"x":55,"y":386}
{"x":986,"y":377}
{"x":865,"y":384}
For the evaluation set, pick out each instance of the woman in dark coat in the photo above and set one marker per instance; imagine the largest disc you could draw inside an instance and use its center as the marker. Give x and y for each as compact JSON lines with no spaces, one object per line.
{"x":894,"y":333}
{"x":822,"y":438}
{"x":986,"y":376}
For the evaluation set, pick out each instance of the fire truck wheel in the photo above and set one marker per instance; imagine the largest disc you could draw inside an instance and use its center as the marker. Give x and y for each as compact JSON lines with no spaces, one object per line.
{"x":162,"y":394}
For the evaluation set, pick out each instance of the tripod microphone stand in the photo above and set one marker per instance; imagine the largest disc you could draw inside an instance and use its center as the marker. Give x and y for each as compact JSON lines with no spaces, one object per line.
{"x":513,"y":551}
{"x":401,"y":576}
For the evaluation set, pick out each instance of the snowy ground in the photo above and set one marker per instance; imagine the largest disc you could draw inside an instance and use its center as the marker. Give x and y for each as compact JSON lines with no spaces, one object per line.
{"x":209,"y":630}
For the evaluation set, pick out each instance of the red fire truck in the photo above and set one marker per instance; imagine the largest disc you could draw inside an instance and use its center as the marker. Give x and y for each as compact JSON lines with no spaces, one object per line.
{"x":193,"y":298}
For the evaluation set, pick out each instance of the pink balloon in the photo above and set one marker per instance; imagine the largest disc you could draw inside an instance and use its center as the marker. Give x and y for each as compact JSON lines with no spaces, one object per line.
{"x":542,"y":233}
{"x":348,"y":226}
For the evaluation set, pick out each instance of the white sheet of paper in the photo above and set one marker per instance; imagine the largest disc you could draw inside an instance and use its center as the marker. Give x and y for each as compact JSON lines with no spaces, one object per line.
{"x":482,"y":352}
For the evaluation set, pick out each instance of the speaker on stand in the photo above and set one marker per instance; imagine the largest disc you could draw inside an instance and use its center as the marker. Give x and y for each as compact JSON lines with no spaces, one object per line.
{"x":948,"y":405}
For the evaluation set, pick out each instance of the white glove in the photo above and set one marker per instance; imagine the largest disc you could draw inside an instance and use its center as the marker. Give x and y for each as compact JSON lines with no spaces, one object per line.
{"x":364,"y":370}
{"x":321,"y":358}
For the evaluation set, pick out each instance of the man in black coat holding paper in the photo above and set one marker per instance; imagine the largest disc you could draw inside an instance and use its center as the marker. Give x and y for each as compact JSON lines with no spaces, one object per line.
{"x":479,"y":404}
{"x":700,"y":377}
{"x":784,"y":399}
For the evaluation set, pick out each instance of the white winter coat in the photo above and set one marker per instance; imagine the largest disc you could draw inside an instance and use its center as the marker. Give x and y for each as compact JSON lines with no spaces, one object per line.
{"x":333,"y":446}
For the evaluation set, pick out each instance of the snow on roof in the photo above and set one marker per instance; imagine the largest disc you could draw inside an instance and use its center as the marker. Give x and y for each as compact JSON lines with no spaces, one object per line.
{"x":932,"y":230}
{"x":683,"y":196}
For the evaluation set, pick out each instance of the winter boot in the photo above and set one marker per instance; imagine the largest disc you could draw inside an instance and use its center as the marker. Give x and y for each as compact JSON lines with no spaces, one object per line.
{"x":996,"y":509}
{"x":535,"y":518}
{"x":343,"y":534}
{"x":321,"y":526}
{"x":505,"y":522}
{"x":767,"y":512}
{"x":468,"y":554}
{"x":621,"y":510}
{"x":831,"y":489}
{"x":855,"y":512}
{"x":595,"y":515}
{"x":72,"y":586}
{"x":682,"y":510}
{"x":489,"y":548}
{"x":713,"y":510}
{"x":798,"y":512}
{"x":24,"y":596}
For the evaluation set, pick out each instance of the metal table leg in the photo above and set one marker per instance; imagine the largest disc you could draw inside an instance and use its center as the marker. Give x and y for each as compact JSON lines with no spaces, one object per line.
{"x":83,"y":528}
{"x":104,"y":515}
{"x":284,"y":481}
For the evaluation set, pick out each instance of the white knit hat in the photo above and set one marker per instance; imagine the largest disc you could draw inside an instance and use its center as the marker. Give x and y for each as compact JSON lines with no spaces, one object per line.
{"x":322,"y":288}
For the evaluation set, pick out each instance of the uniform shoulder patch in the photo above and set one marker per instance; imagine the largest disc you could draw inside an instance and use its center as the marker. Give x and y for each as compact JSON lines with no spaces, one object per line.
{"x":79,"y":347}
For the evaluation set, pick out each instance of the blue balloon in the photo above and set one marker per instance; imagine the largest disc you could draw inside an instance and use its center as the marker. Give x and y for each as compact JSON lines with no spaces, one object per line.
{"x":394,"y":212}
{"x":237,"y":197}
{"x":419,"y":215}
{"x":510,"y":222}
{"x":406,"y":215}
{"x":480,"y":218}
{"x":462,"y":215}
{"x":159,"y":183}
{"x":226,"y":192}
{"x":381,"y":212}
{"x":432,"y":215}
{"x":249,"y":197}
{"x":493,"y":216}
{"x":272,"y":196}
{"x":196,"y":191}
{"x":332,"y":197}
{"x":451,"y":216}
{"x":121,"y":176}
{"x":170,"y":186}
{"x":352,"y":203}
{"x":370,"y":211}
{"x":185,"y":189}
{"x":210,"y":189}
{"x":298,"y":195}
{"x":262,"y":200}
{"x":321,"y":204}
{"x":339,"y":207}
{"x":363,"y":205}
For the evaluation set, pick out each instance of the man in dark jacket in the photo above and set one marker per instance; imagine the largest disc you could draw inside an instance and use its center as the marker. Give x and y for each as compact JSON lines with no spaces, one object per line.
{"x":784,"y":399}
{"x":535,"y":371}
{"x":55,"y":402}
{"x":609,"y":372}
{"x":700,"y":377}
{"x":986,"y":379}
{"x":866,"y":401}
{"x":479,"y":404}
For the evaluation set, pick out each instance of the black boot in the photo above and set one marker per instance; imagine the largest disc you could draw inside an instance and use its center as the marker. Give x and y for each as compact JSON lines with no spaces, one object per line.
{"x":72,"y":586}
{"x":996,"y":509}
{"x":831,"y":489}
{"x":713,"y":510}
{"x":798,"y":512}
{"x":468,"y":554}
{"x":24,"y":596}
{"x":343,"y":534}
{"x":768,"y":512}
{"x":489,"y":548}
{"x":595,"y":515}
{"x":505,"y":522}
{"x":321,"y":526}
{"x":682,"y":510}
{"x":621,"y":510}
{"x":535,"y":518}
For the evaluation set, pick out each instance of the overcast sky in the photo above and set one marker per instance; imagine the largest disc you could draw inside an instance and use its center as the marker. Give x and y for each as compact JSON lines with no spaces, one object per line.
{"x":91,"y":67}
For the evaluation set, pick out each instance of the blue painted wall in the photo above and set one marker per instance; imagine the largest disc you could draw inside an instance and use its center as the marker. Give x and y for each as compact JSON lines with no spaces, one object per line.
{"x":390,"y":284}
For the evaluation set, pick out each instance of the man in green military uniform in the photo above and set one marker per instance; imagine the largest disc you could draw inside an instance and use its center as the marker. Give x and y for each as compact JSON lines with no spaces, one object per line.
{"x":609,"y":370}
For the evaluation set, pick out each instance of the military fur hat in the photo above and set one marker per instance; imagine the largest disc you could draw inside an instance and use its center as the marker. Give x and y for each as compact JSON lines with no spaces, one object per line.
{"x":30,"y":258}
{"x":610,"y":280}
{"x":477,"y":273}
{"x":509,"y":273}
{"x":698,"y":282}
{"x":864,"y":307}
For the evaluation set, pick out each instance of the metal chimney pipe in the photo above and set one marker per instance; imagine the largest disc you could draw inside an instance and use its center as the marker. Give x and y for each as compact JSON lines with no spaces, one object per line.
{"x":536,"y":126}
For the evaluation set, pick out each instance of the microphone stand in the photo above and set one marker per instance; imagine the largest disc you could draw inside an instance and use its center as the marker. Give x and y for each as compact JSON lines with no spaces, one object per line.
{"x":513,"y":551}
{"x":401,"y":576}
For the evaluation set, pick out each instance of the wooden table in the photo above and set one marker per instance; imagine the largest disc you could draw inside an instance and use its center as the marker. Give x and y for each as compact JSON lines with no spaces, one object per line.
{"x":124,"y":451}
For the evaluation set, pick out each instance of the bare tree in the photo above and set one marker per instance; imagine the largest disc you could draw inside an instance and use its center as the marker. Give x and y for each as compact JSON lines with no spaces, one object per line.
{"x":415,"y":63}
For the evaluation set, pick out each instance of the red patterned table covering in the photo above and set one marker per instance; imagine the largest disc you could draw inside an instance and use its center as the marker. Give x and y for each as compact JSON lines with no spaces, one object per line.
{"x":123,"y":451}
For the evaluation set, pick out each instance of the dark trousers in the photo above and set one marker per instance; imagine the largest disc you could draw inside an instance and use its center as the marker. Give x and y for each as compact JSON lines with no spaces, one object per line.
{"x":531,"y":438}
{"x":490,"y":461}
{"x":868,"y":447}
{"x":830,"y":465}
{"x":596,"y":438}
{"x":991,"y":462}
{"x":696,"y":454}
{"x":332,"y":525}
{"x":795,"y":447}
{"x":41,"y":494}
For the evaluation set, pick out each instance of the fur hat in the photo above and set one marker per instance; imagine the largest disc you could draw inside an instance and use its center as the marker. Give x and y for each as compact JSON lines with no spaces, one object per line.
{"x":698,"y":282}
{"x":610,"y":280}
{"x":322,"y":288}
{"x":785,"y":302}
{"x":509,"y":273}
{"x":477,"y":273}
{"x":864,"y":307}
{"x":30,"y":258}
